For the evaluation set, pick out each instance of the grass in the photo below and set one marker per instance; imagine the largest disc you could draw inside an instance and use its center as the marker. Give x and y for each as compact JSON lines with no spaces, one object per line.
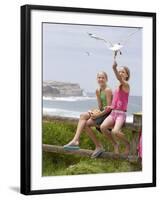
{"x":60,"y":133}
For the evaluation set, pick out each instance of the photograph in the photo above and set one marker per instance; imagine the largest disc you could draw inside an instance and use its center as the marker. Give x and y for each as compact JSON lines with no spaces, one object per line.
{"x":92,"y":95}
{"x":88,"y":99}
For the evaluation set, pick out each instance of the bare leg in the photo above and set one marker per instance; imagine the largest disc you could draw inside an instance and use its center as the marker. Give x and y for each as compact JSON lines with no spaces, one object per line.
{"x":108,"y":123}
{"x":81,"y":124}
{"x":90,"y":133}
{"x":122,"y":137}
{"x":116,"y":131}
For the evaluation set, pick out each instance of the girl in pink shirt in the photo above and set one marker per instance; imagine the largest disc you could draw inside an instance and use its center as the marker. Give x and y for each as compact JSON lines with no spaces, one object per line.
{"x":119,"y":105}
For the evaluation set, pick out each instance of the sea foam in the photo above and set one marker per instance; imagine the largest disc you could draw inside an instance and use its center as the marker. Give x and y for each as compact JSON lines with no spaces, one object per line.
{"x":70,"y":99}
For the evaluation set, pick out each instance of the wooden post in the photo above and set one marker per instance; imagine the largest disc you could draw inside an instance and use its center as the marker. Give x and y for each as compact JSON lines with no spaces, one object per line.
{"x":137,"y":123}
{"x":137,"y":120}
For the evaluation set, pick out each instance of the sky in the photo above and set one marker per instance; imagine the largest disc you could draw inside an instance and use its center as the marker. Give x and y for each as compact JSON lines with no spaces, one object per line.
{"x":65,"y":58}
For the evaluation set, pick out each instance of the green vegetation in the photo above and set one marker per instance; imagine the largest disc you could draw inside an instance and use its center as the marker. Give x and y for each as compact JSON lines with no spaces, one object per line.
{"x":59,"y":133}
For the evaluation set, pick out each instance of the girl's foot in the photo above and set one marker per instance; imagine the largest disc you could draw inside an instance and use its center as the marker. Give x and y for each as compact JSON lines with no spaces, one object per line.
{"x":116,"y":149}
{"x":73,"y":145}
{"x":126,"y":152}
{"x":97,"y":152}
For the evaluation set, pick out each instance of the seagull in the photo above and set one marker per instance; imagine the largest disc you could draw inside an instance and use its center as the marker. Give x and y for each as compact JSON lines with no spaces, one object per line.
{"x":88,"y":53}
{"x":116,"y":48}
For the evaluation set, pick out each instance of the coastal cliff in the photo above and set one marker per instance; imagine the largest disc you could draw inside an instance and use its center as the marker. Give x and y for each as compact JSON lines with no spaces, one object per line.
{"x":61,"y":89}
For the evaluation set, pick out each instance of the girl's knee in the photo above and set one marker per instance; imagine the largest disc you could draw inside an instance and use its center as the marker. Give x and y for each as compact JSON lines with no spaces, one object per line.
{"x":103,"y":128}
{"x":90,"y":123}
{"x":84,"y":115}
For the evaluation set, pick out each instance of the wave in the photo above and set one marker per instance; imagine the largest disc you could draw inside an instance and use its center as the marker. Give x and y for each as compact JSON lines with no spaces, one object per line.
{"x":61,"y":112}
{"x":71,"y":99}
{"x":47,"y":98}
{"x":71,"y":113}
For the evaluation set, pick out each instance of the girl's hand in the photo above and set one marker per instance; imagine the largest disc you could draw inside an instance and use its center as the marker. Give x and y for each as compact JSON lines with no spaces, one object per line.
{"x":108,"y":108}
{"x":90,"y":113}
{"x":93,"y":116}
{"x":94,"y":113}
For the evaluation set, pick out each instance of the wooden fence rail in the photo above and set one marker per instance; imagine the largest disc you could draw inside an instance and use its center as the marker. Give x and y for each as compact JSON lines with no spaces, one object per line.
{"x":85,"y":152}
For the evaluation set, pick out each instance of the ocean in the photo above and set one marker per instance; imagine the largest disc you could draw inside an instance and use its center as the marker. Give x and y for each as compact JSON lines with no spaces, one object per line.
{"x":74,"y":106}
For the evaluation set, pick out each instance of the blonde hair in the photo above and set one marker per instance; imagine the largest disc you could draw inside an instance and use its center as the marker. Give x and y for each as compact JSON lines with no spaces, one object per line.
{"x":104,"y":73}
{"x":127,"y":71}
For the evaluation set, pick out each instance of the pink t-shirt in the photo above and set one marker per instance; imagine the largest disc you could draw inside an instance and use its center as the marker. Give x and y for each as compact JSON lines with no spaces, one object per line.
{"x":120,"y":100}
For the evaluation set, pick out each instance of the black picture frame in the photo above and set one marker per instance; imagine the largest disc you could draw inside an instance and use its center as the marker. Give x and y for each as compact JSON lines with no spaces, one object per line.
{"x":25,"y":182}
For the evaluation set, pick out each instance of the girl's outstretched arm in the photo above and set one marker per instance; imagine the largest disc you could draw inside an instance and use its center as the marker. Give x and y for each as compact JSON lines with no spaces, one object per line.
{"x":123,"y":82}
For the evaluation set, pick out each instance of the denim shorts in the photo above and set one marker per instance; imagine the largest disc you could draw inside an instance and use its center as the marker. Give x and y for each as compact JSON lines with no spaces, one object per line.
{"x":98,"y":121}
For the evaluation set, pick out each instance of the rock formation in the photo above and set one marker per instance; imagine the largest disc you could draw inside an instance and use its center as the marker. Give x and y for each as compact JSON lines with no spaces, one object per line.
{"x":61,"y":89}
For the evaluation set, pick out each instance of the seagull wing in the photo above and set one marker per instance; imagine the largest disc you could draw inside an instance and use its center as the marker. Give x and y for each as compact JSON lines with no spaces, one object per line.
{"x":125,"y":40}
{"x":99,"y":38}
